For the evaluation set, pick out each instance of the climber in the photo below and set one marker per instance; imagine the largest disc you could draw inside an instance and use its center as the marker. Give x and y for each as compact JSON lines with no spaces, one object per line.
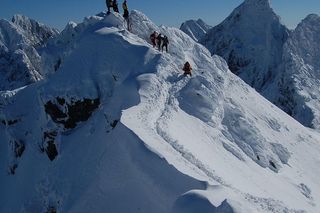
{"x":187,"y":69}
{"x":109,"y":5}
{"x":125,"y":9}
{"x":159,"y":40}
{"x":126,"y":13}
{"x":115,"y":6}
{"x":165,"y":42}
{"x":153,"y":37}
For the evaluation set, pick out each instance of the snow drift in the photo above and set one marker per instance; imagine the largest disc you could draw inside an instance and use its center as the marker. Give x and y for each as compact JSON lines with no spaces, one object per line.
{"x":117,"y":127}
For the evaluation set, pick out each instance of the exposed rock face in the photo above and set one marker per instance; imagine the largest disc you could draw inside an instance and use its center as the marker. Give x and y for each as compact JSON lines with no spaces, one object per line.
{"x":69,"y":114}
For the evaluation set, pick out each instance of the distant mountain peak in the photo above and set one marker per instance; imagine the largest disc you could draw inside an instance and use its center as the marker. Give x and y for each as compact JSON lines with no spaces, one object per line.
{"x":196,"y":29}
{"x":20,"y":62}
{"x":258,"y":2}
{"x":19,"y":17}
{"x":312,"y":18}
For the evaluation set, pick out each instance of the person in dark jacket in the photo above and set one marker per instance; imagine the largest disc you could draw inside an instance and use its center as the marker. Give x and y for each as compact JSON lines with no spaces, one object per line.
{"x":187,"y":69}
{"x":165,"y":42}
{"x":115,"y":6}
{"x":109,"y":5}
{"x":125,"y":9}
{"x":159,"y":41}
{"x":126,"y":13}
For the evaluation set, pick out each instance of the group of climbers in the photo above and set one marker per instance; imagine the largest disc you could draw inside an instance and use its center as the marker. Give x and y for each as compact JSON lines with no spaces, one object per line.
{"x":114,"y":5}
{"x":162,"y":41}
{"x":159,"y":40}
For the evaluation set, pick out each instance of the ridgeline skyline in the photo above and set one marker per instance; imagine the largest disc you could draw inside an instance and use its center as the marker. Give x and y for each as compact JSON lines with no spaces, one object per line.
{"x":58,"y":13}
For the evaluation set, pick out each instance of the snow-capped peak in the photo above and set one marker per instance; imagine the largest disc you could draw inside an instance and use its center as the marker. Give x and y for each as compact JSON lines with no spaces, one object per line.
{"x":20,"y":62}
{"x":250,"y":39}
{"x":300,"y":77}
{"x":36,"y":32}
{"x":258,"y":2}
{"x":311,"y":19}
{"x":196,"y":29}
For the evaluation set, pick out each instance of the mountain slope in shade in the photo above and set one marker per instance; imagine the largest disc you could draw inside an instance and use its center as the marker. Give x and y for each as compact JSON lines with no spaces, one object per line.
{"x":118,"y":127}
{"x":196,"y":29}
{"x":251,"y":41}
{"x":20,"y":62}
{"x":298,"y":83}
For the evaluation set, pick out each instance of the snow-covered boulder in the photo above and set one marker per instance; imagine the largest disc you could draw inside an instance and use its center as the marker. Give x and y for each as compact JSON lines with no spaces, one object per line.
{"x":196,"y":29}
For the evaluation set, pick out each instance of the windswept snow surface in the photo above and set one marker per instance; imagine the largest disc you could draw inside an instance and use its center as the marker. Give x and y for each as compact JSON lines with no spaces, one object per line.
{"x":20,"y":59}
{"x":196,"y":29}
{"x":126,"y":132}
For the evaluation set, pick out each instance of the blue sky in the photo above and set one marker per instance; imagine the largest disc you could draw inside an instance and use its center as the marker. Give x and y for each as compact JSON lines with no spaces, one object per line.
{"x":57,"y":13}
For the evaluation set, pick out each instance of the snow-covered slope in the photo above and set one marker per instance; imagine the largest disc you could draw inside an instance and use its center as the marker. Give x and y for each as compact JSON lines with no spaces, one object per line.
{"x":251,"y":41}
{"x":282,"y":66}
{"x":196,"y":29}
{"x":118,"y":128}
{"x":296,"y":87}
{"x":20,"y":62}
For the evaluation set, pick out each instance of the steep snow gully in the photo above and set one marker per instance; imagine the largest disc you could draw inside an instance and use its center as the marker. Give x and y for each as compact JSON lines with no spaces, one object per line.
{"x":118,"y":128}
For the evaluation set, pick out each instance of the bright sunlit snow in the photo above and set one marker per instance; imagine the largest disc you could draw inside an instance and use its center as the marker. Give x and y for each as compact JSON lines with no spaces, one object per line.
{"x":116,"y":127}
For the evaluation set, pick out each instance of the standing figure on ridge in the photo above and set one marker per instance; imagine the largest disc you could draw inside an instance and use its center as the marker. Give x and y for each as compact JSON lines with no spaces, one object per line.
{"x":153,"y":38}
{"x":165,"y":42}
{"x":109,"y":5}
{"x":187,"y":69}
{"x":126,"y":13}
{"x":159,"y":41}
{"x":115,"y":6}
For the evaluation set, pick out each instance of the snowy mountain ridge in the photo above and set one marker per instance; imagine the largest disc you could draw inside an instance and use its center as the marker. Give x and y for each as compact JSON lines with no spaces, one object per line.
{"x":20,"y":62}
{"x":196,"y":29}
{"x":281,"y":64}
{"x":300,"y":73}
{"x":118,"y":127}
